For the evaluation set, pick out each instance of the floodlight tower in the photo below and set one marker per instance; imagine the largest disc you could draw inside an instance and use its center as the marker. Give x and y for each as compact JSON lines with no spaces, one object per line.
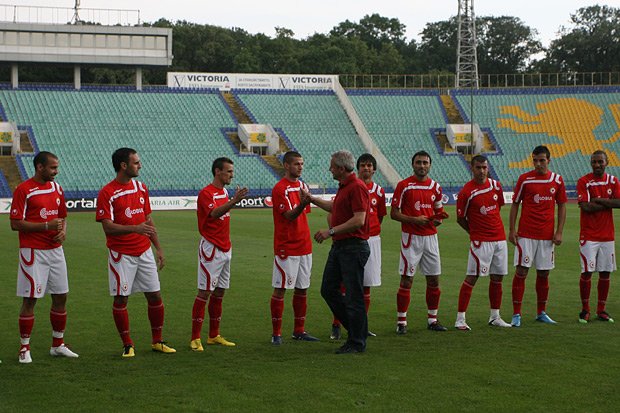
{"x":466,"y":57}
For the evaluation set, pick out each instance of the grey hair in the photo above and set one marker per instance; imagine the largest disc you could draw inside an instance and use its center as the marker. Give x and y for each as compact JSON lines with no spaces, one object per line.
{"x":344,"y":159}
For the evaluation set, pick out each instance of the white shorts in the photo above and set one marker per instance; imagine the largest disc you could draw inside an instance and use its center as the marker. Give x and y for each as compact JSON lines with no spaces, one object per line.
{"x":487,"y":258}
{"x":213,"y":266}
{"x":41,"y":272}
{"x":536,"y":252}
{"x":597,"y":256}
{"x":292,"y":271}
{"x":129,"y":274}
{"x":372,"y":270}
{"x":419,"y":252}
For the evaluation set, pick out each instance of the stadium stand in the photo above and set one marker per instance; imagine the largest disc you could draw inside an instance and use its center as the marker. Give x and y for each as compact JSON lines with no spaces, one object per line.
{"x":178,"y":133}
{"x":5,"y":190}
{"x":314,"y":122}
{"x":402,"y":122}
{"x":572,"y":122}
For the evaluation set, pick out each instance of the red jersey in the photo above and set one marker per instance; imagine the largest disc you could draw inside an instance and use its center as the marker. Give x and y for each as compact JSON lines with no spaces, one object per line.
{"x":290,"y":237}
{"x":352,"y":196}
{"x":538,"y":194}
{"x":597,"y":226}
{"x":417,"y":198}
{"x":35,"y":202}
{"x":481,"y":205}
{"x":377,"y":208}
{"x":214,"y":230}
{"x":125,"y":204}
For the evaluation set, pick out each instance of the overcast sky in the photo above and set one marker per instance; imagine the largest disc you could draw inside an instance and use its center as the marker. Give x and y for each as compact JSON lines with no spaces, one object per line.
{"x":320,"y":16}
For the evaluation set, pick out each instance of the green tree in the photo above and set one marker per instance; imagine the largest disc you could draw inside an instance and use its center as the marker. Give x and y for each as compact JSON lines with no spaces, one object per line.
{"x":374,"y":30}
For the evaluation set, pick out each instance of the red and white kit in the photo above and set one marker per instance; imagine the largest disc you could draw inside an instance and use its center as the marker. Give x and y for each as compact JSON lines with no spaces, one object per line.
{"x":214,"y":249}
{"x":419,"y":244}
{"x":481,"y":205}
{"x":131,"y":265}
{"x":372,"y":269}
{"x":42,"y":268}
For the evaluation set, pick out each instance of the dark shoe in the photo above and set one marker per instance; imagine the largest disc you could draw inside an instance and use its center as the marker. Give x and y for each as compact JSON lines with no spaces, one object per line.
{"x":603,"y":316}
{"x":401,"y":329}
{"x":348,"y":349}
{"x":304,"y":337}
{"x":335,"y":335}
{"x":436,"y":326}
{"x":584,"y":317}
{"x":276,"y":340}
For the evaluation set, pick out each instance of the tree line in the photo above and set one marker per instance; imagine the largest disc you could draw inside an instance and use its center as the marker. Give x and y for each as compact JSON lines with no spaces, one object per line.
{"x":373,"y":45}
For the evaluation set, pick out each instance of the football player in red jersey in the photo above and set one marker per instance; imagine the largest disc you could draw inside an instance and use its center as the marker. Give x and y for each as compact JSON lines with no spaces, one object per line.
{"x":124,"y":210}
{"x":292,"y":265}
{"x":597,"y":193}
{"x":539,"y":191}
{"x":38,"y":213}
{"x":417,"y":205}
{"x":214,"y":252}
{"x":478,"y":212}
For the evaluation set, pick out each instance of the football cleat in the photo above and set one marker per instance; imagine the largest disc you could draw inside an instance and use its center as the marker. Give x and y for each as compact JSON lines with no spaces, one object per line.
{"x":162,"y":347}
{"x":276,"y":340}
{"x":603,"y":316}
{"x":335,"y":335}
{"x":220,"y":340}
{"x":304,"y":337}
{"x":62,"y":351}
{"x":544,"y":318}
{"x":24,"y":355}
{"x":128,"y":351}
{"x":401,"y":329}
{"x":584,"y":317}
{"x":436,"y":326}
{"x":462,"y":325}
{"x":516,"y":320}
{"x":348,"y":349}
{"x":196,"y":345}
{"x":498,"y":322}
{"x":371,"y":334}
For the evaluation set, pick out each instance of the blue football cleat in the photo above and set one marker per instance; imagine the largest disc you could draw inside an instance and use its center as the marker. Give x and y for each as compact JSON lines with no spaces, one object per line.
{"x":544,"y":318}
{"x":304,"y":337}
{"x":516,"y":320}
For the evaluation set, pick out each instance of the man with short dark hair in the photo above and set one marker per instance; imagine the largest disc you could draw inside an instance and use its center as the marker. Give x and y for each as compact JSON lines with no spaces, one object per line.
{"x":292,"y":264}
{"x":124,"y":210}
{"x":539,"y":191}
{"x":38,"y":213}
{"x":214,"y":252}
{"x":417,"y":205}
{"x":597,"y":193}
{"x":478,"y":213}
{"x":349,"y":228}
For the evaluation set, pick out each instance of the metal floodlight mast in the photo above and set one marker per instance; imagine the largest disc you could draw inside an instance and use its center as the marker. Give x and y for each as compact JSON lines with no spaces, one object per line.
{"x":466,"y":56}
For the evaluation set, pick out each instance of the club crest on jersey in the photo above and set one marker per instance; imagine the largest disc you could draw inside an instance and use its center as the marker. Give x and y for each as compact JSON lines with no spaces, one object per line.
{"x":14,"y":211}
{"x":591,"y":264}
{"x":57,"y":201}
{"x":374,"y":201}
{"x":101,"y":212}
{"x":494,"y":197}
{"x":142,"y":200}
{"x":609,"y":191}
{"x":552,"y":190}
{"x":39,"y":289}
{"x":125,"y":287}
{"x":526,"y":259}
{"x":432,"y":197}
{"x":484,"y":270}
{"x":289,"y":281}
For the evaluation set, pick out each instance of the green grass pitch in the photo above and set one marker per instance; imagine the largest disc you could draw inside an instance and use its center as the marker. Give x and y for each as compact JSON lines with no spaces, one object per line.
{"x":566,"y":367}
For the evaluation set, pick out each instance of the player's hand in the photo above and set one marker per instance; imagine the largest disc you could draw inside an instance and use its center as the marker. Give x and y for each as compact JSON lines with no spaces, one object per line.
{"x":421,"y":220}
{"x":161,"y":260}
{"x":55,"y":224}
{"x":321,"y":235}
{"x":305,"y":196}
{"x":240,"y":193}
{"x":557,"y":238}
{"x":437,"y":222}
{"x":146,"y":229}
{"x":512,"y":237}
{"x":60,"y":237}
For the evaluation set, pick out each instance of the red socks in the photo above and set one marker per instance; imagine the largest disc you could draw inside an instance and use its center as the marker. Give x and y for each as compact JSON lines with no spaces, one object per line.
{"x":403,"y":298}
{"x":603,"y":291}
{"x":542,"y":293}
{"x":198,"y":316}
{"x":464,"y":296}
{"x":495,"y":294}
{"x":25,"y":329}
{"x":121,"y":319}
{"x":432,"y":302}
{"x":518,"y":289}
{"x":300,"y":307}
{"x":277,"y":309}
{"x":585,"y":284}
{"x":215,"y":315}
{"x":59,"y":322}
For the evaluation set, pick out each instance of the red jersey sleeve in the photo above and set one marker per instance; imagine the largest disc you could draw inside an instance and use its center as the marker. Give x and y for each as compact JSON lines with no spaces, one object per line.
{"x":582,"y":191}
{"x":18,"y":205}
{"x":398,"y":193}
{"x":147,"y":200}
{"x":500,"y":194}
{"x":560,"y":197}
{"x":516,"y":199}
{"x":461,"y":202}
{"x":62,"y":208}
{"x":103,"y":206}
{"x":381,"y":208}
